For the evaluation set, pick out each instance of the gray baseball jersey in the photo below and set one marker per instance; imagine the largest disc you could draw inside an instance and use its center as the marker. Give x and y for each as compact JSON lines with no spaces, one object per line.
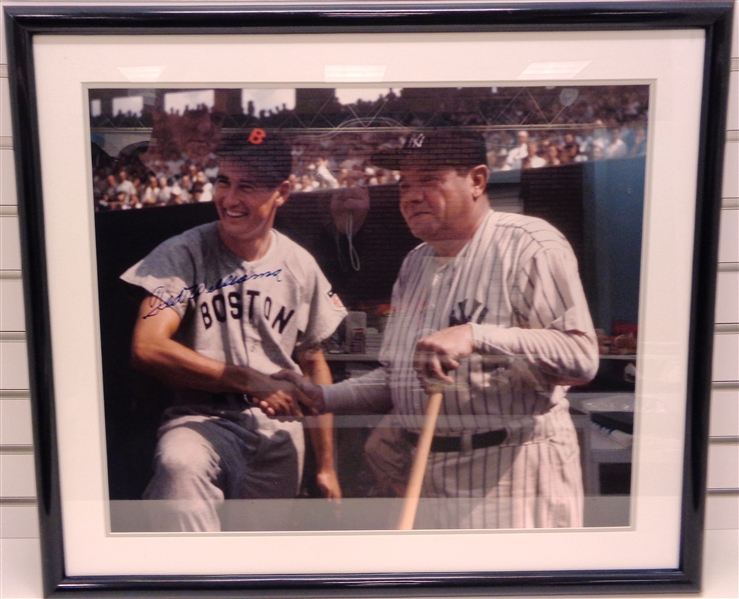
{"x":516,"y":281}
{"x":242,"y":313}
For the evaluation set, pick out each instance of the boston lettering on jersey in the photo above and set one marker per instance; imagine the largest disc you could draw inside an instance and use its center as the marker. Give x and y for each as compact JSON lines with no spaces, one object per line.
{"x":222,"y":307}
{"x":160,"y":300}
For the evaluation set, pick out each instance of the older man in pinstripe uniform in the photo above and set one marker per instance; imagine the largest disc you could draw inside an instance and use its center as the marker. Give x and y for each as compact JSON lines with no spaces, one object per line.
{"x":491,"y":308}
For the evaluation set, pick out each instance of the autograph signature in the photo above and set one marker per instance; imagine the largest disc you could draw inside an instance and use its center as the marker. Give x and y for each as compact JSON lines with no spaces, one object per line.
{"x":160,"y":300}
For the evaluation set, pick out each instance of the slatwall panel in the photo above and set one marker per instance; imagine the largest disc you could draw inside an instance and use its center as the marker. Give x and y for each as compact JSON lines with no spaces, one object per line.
{"x":19,"y":550}
{"x":20,"y":566}
{"x":723,"y":504}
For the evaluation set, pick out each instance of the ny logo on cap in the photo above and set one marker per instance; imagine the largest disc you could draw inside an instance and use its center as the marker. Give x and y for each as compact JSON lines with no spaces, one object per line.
{"x":415,"y":140}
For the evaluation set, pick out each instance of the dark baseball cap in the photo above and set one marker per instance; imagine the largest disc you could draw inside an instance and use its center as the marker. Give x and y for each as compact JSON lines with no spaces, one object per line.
{"x":262,"y":150}
{"x":435,"y":149}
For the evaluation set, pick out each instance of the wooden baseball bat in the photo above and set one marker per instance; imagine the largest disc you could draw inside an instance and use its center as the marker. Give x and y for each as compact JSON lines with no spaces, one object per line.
{"x":423,"y":448}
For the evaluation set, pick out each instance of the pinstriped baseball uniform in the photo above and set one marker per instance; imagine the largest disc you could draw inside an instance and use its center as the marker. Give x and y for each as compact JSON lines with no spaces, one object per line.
{"x":517,"y":282}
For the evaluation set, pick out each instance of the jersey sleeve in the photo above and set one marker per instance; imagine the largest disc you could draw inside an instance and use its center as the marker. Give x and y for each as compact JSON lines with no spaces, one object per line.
{"x":366,"y":394}
{"x":167,"y":273}
{"x":549,"y":293}
{"x":555,"y":330}
{"x":322,"y":309}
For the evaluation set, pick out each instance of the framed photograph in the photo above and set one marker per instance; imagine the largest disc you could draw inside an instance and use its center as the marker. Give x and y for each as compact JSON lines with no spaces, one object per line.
{"x":376,"y":300}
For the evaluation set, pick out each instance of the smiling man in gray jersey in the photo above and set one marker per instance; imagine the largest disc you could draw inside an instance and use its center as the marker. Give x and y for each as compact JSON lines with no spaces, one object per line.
{"x":229,"y":303}
{"x":491,"y":308}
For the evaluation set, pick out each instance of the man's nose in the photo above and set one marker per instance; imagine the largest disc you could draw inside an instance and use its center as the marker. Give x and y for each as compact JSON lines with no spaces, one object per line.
{"x":229,"y":196}
{"x":411,"y":195}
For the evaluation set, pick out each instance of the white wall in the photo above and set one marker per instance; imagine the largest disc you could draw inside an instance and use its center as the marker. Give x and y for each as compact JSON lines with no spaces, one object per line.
{"x":19,"y":546}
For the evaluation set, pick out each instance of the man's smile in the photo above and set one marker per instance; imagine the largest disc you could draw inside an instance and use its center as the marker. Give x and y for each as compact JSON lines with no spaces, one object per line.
{"x":235,"y":214}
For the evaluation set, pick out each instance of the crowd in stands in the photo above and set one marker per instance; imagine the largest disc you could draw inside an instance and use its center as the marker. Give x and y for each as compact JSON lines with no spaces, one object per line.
{"x":120,"y":191}
{"x":348,"y":164}
{"x":544,"y":148}
{"x":601,"y":123}
{"x":327,"y":173}
{"x":316,"y":169}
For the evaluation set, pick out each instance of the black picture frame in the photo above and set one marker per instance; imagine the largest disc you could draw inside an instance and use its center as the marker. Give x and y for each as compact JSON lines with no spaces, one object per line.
{"x":714,"y":18}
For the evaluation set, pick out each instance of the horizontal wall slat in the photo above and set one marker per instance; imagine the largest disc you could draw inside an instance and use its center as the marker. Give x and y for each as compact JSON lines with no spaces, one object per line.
{"x":723,"y":466}
{"x":3,"y":51}
{"x":11,"y":306}
{"x":732,"y":121}
{"x":6,"y":123}
{"x":14,"y":362}
{"x":8,"y":195}
{"x":10,"y":247}
{"x":17,"y":477}
{"x":724,"y":413}
{"x":726,"y":357}
{"x":727,"y":297}
{"x":720,"y":574}
{"x":15,"y":422}
{"x":20,"y":562}
{"x":728,"y":247}
{"x":731,"y":171}
{"x":722,"y":513}
{"x":19,"y":522}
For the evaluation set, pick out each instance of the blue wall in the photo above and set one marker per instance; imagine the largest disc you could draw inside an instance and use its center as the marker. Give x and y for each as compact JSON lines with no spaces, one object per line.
{"x":613,"y":199}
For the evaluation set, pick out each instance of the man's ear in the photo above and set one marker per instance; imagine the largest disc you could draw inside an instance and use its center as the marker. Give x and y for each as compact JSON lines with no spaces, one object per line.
{"x":283,"y":193}
{"x":479,"y":176}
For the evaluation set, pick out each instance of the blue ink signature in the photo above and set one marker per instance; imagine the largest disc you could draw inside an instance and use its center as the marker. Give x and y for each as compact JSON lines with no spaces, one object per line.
{"x":160,"y":301}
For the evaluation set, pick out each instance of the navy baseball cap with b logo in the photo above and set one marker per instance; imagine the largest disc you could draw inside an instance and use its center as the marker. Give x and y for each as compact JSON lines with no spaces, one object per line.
{"x":435,"y":149}
{"x":263,"y":150}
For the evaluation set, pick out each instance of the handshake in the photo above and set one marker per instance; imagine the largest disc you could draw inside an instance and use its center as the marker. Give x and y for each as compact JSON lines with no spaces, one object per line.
{"x":286,"y":395}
